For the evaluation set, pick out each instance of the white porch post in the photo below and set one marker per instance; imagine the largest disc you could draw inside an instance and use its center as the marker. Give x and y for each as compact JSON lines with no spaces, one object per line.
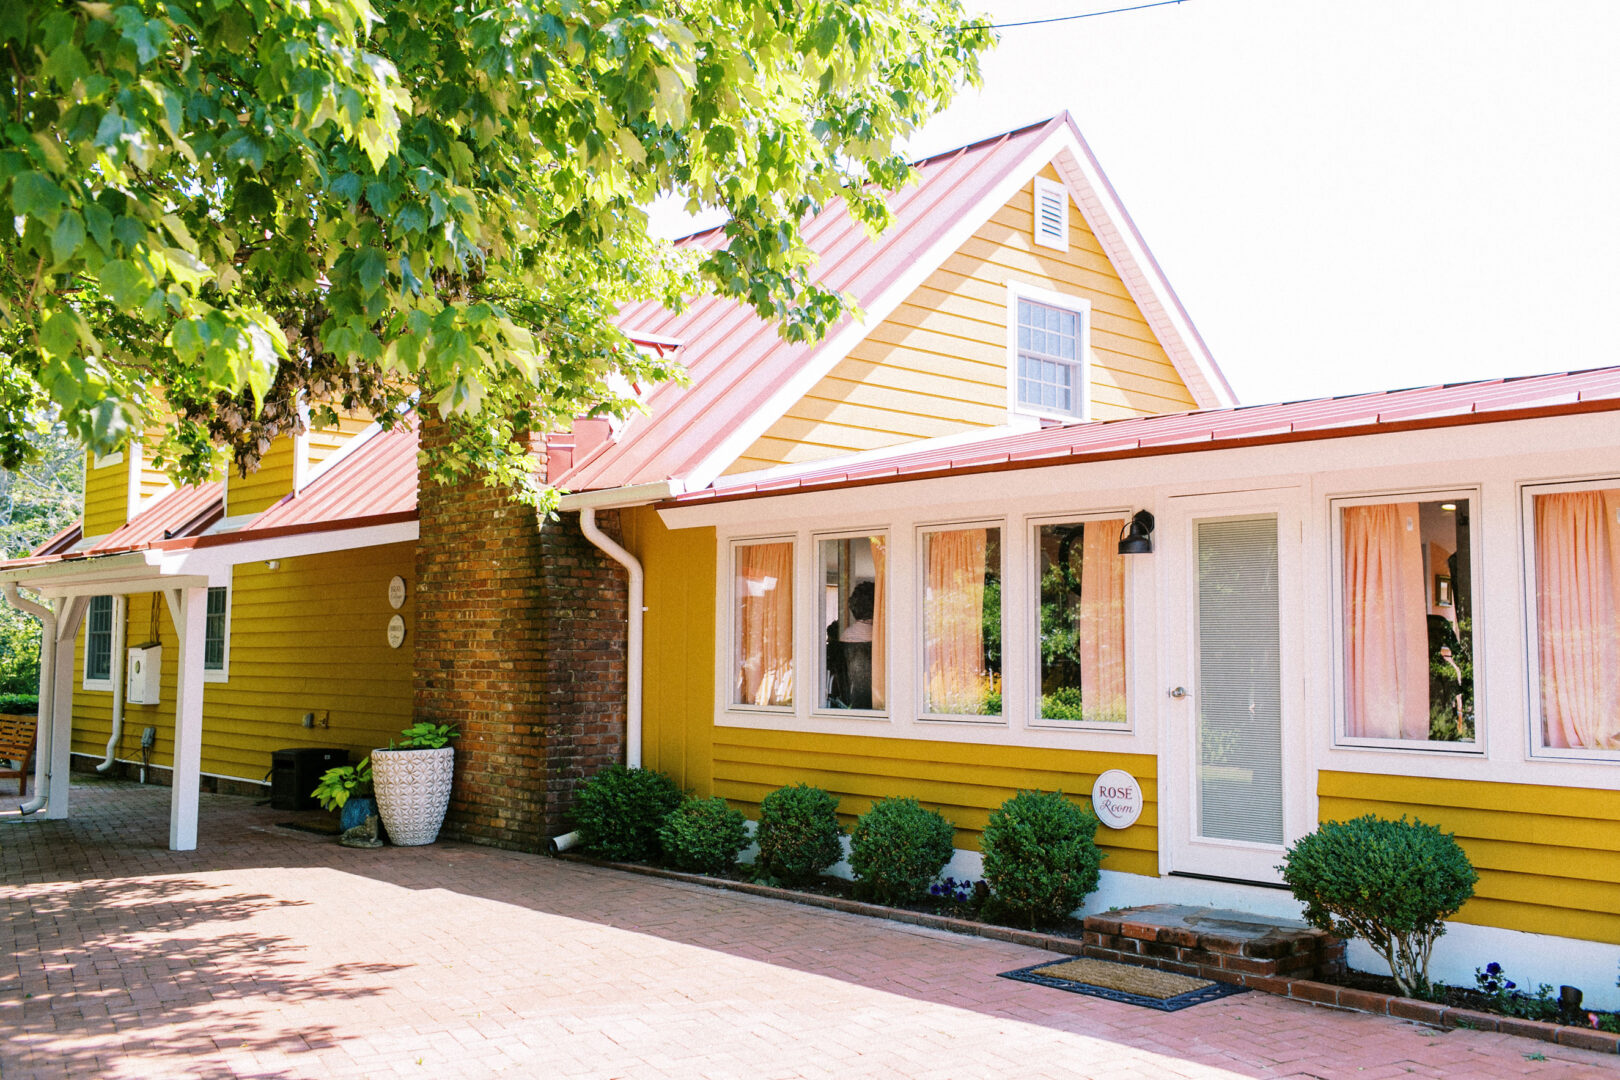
{"x":69,"y":614}
{"x":190,"y":610}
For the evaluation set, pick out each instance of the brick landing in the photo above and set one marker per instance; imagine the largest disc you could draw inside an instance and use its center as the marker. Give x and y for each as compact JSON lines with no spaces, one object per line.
{"x":272,"y":953}
{"x":1228,"y":946}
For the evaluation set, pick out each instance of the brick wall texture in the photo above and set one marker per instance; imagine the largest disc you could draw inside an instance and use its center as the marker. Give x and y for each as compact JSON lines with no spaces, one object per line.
{"x":520,"y":642}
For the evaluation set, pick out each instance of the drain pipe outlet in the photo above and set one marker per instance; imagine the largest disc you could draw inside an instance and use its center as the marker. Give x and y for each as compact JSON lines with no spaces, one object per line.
{"x":632,"y":706}
{"x":47,"y":689}
{"x":559,"y":844}
{"x":120,"y":618}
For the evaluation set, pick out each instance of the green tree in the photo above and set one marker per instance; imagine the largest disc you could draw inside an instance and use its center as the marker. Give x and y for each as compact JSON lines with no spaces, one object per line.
{"x":37,"y":500}
{"x":221,"y":209}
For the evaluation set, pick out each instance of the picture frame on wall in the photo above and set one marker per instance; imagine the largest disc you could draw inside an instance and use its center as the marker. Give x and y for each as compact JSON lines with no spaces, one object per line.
{"x":1442,"y":591}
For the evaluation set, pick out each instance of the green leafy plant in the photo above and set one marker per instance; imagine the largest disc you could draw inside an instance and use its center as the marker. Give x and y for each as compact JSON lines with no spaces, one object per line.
{"x":1040,"y":857}
{"x":703,"y":836}
{"x":897,"y":849}
{"x":1391,"y":883}
{"x":343,"y":783}
{"x":19,"y":704}
{"x":620,"y":810}
{"x":425,"y":735}
{"x":799,"y":834}
{"x":1506,"y":997}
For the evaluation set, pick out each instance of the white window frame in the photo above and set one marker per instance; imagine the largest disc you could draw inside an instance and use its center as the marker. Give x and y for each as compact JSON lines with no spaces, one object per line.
{"x":1032,"y":618}
{"x":1532,"y":641}
{"x":104,"y":685}
{"x":1078,"y":305}
{"x":732,"y":659}
{"x":1342,"y":741}
{"x":223,"y":672}
{"x":920,"y":625}
{"x":818,"y":659}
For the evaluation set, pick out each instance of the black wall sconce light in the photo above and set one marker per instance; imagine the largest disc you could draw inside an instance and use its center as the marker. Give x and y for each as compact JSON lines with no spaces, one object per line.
{"x":1137,"y":537}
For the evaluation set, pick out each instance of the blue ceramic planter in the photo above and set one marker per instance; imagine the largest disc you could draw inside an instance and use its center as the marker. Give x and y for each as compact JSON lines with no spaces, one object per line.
{"x":356,"y":810}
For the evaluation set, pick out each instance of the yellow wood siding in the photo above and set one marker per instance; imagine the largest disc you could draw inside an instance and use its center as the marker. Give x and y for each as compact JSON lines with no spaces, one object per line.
{"x":106,"y":496}
{"x":1548,"y":857}
{"x":307,"y":637}
{"x":938,"y":364}
{"x":262,"y":489}
{"x":678,"y":661}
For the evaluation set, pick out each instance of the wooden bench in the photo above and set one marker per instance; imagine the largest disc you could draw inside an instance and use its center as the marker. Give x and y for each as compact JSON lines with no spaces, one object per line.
{"x":17,"y":737}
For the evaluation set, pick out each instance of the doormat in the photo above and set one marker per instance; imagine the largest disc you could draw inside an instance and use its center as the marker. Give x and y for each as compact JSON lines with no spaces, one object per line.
{"x":1151,"y":989}
{"x":319,"y":828}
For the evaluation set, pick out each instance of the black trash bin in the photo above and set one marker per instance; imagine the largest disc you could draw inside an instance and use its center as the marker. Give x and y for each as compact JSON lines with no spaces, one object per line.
{"x":295,"y":772}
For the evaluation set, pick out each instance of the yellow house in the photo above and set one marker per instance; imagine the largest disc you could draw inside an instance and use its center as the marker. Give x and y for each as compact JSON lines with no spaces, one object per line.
{"x":1007,"y":530}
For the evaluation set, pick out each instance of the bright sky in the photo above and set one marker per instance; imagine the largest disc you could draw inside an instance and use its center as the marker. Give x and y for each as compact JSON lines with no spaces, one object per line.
{"x":1348,"y":195}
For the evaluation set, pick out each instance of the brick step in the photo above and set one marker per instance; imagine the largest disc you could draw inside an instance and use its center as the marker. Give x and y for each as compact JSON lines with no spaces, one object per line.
{"x":1213,"y":943}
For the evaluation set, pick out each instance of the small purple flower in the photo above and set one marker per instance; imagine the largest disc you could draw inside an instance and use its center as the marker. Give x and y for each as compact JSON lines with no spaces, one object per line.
{"x":1493,"y":968}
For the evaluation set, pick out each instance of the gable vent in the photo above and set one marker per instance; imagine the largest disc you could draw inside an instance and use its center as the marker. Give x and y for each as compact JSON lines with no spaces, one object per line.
{"x":1051,"y":215}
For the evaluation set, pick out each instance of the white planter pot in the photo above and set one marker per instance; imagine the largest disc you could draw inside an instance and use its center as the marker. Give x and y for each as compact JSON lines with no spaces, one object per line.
{"x":413,"y":792}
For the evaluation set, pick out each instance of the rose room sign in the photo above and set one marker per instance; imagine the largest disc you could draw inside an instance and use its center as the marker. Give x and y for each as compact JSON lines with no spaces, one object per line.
{"x":1116,"y":798}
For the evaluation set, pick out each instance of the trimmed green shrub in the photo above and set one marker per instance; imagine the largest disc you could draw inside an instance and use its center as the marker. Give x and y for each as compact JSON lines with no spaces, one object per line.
{"x":19,"y":704}
{"x":897,"y":849}
{"x":1040,"y":857}
{"x":703,"y":836}
{"x":1391,"y":883}
{"x":619,"y":810}
{"x":798,"y":834}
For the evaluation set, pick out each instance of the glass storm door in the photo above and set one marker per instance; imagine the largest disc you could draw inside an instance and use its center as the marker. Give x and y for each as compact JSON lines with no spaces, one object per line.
{"x":1229,"y":701}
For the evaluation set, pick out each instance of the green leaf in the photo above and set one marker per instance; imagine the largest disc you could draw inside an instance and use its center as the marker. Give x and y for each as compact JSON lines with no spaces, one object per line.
{"x":67,"y":237}
{"x":33,"y":194}
{"x":59,"y":335}
{"x":125,"y":284}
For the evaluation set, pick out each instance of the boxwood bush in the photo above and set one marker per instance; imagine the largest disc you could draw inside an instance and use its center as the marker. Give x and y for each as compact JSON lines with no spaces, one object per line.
{"x":798,"y":834}
{"x":19,"y":704}
{"x":1391,"y":883}
{"x":897,"y":849}
{"x":1040,"y":857}
{"x":618,"y":812}
{"x":703,"y":836}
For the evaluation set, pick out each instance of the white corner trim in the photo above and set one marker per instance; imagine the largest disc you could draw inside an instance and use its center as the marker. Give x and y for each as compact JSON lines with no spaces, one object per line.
{"x":1140,"y":273}
{"x":821,"y":361}
{"x":132,"y":496}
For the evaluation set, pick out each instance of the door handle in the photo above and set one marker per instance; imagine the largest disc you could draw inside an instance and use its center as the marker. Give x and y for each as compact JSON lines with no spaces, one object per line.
{"x":1179,"y":692}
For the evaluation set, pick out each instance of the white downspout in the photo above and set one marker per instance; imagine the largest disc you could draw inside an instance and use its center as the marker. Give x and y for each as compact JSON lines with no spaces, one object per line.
{"x":632,"y":707}
{"x":120,"y":616}
{"x":47,"y":691}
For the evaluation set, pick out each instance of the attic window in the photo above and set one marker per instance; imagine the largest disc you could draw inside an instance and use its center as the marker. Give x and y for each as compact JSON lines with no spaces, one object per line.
{"x":1048,"y":354}
{"x":1051,"y":215}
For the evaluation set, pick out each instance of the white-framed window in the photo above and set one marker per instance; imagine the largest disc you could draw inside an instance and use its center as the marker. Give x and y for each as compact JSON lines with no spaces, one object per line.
{"x":1572,"y":571}
{"x":960,"y":572}
{"x":1405,"y":571}
{"x":762,"y":660}
{"x":851,"y":597}
{"x":98,"y":639}
{"x":1080,"y":664}
{"x":1048,"y":353}
{"x":217,"y":635}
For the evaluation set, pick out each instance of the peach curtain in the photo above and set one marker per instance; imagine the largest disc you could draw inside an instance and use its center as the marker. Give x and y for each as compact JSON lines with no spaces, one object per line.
{"x":880,"y":623}
{"x":1578,"y":618}
{"x":1102,"y":622}
{"x":1386,"y":633}
{"x":954,"y":621}
{"x":765,"y":624}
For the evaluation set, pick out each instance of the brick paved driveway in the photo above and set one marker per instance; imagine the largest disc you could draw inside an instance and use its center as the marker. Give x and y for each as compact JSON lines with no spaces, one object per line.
{"x":273,"y":953}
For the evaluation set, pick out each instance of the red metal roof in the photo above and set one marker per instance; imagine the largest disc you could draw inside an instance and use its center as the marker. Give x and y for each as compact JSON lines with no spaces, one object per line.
{"x":1492,"y":400}
{"x":183,"y":512}
{"x":738,"y":360}
{"x":378,"y":477}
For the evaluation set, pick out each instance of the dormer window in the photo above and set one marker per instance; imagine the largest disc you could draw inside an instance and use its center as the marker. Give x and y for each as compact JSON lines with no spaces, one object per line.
{"x":1049,"y":354}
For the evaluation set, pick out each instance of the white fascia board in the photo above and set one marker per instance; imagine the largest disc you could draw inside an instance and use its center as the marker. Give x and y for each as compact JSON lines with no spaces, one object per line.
{"x":125,"y":572}
{"x":216,"y":560}
{"x":1140,"y":272}
{"x":613,"y":498}
{"x":835,"y":348}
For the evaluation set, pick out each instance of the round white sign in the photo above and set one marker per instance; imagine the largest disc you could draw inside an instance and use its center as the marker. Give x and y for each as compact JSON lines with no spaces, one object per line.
{"x":1116,"y":798}
{"x":396,"y":631}
{"x":396,"y":592}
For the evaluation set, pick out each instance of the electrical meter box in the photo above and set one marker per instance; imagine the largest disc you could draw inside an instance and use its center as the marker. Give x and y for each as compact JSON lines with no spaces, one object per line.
{"x":144,"y":674}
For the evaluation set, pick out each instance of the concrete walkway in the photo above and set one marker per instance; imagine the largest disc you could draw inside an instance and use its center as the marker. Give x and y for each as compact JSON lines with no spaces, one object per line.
{"x":273,"y":953}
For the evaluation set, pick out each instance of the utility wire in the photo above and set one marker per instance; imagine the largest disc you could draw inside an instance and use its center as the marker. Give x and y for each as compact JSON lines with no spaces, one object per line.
{"x":1066,"y":18}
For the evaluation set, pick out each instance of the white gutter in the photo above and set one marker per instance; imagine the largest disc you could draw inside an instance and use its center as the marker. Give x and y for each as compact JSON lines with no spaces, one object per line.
{"x":120,"y":616}
{"x":612,"y":498}
{"x":47,"y":688}
{"x":632,"y":678}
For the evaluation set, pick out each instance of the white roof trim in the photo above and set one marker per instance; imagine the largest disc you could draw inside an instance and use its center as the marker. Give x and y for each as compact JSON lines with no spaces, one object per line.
{"x":632,"y":495}
{"x":1073,"y":160}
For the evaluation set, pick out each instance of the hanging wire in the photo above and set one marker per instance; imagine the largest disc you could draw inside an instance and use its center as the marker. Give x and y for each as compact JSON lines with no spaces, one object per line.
{"x":1066,"y":18}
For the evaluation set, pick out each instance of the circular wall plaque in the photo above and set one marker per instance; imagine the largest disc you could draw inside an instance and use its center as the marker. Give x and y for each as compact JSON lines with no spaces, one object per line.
{"x":396,"y":592}
{"x":396,"y":631}
{"x":1116,"y":798}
